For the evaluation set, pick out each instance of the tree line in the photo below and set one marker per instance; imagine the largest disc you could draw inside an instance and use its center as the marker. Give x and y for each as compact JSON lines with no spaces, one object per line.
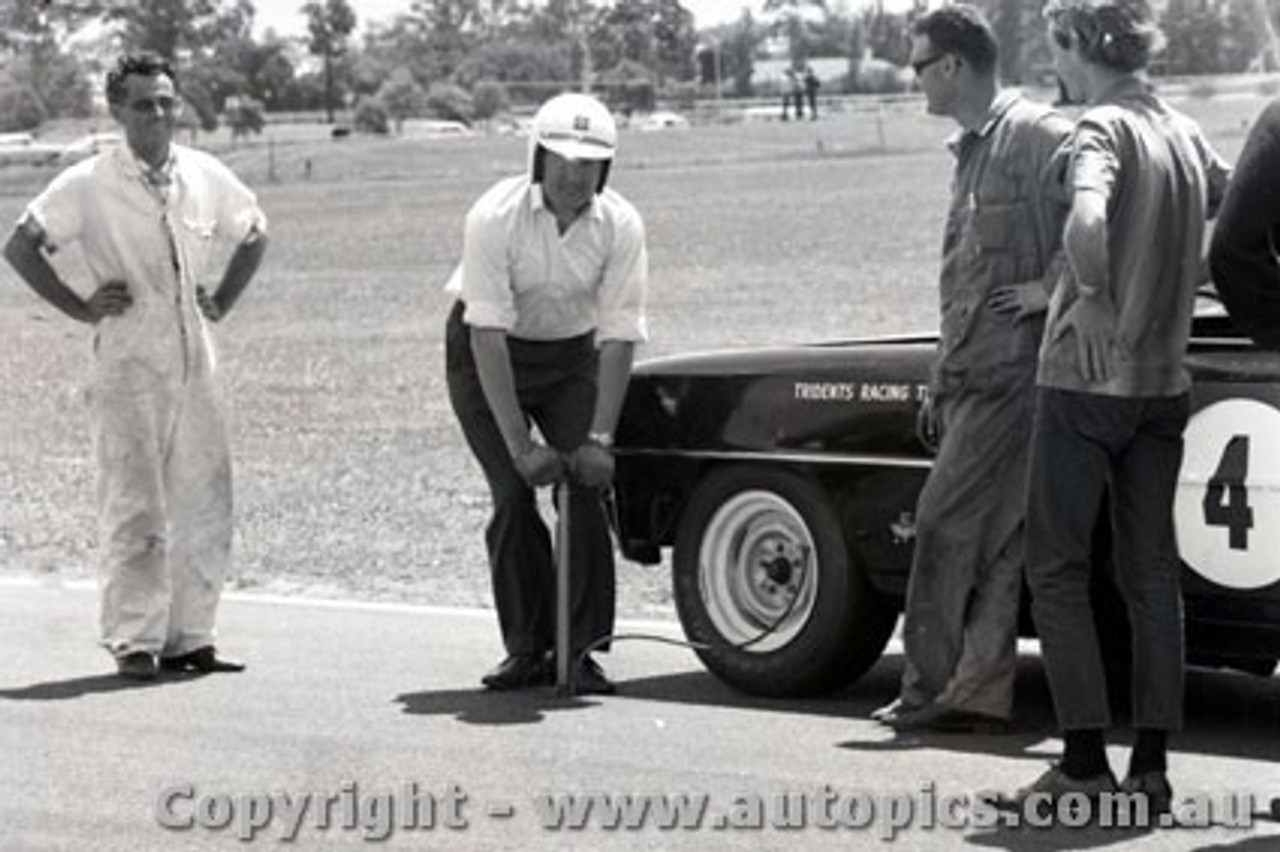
{"x":472,"y":59}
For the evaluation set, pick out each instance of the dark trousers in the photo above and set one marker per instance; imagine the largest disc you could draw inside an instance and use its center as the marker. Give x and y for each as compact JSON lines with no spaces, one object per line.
{"x":1085,"y":446}
{"x":556,"y":386}
{"x":788,"y":99}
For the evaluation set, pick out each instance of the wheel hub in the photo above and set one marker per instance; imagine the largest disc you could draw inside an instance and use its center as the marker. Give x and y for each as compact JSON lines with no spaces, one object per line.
{"x":780,"y":568}
{"x":758,"y":581}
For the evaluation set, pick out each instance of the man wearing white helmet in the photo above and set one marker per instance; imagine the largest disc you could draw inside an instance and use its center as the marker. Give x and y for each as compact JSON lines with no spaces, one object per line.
{"x":551,"y":296}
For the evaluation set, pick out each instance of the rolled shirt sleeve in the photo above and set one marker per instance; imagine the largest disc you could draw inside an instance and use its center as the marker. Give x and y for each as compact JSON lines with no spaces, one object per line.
{"x":1095,"y":163}
{"x":485,"y":275}
{"x":58,"y":210}
{"x":238,"y":212}
{"x":249,"y":219}
{"x":625,"y":285}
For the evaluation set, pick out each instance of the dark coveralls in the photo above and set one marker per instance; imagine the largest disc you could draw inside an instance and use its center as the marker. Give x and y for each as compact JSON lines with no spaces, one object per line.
{"x":1003,"y":228}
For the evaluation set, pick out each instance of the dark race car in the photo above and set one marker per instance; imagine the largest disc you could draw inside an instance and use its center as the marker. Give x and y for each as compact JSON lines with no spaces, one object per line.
{"x":785,"y":482}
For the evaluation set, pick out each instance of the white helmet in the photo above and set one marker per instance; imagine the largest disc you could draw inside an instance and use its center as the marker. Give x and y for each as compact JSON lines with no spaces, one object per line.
{"x":575,"y":126}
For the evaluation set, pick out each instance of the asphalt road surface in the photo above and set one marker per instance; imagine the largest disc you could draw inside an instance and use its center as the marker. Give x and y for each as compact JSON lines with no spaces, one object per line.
{"x":362,"y":726}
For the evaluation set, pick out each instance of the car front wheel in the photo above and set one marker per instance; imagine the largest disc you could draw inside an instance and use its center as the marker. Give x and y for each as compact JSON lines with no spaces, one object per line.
{"x":763,"y":578}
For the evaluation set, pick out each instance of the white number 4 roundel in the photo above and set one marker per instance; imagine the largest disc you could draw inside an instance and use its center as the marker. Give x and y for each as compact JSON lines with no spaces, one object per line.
{"x":1227,"y":511}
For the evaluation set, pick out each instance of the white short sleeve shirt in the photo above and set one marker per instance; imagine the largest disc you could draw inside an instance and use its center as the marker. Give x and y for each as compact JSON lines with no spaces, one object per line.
{"x":521,"y":275}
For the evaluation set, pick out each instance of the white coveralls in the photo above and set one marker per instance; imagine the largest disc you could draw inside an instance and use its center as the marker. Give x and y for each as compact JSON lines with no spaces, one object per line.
{"x":164,"y":470}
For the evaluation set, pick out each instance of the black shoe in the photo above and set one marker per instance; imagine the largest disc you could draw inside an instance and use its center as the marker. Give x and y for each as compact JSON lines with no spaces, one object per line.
{"x":895,"y":709}
{"x":941,"y":719}
{"x":1053,"y":785}
{"x":203,"y":660}
{"x":590,"y":679}
{"x":520,"y":671}
{"x":1155,"y":786}
{"x":137,"y":665}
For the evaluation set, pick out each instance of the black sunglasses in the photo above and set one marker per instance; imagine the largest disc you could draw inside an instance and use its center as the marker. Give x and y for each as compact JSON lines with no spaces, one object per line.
{"x":919,"y":65}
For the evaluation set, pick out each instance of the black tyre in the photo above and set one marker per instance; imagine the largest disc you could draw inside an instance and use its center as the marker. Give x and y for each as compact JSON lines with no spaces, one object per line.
{"x":762,"y":575}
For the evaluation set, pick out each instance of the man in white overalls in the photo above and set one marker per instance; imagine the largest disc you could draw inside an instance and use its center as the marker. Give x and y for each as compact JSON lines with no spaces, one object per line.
{"x":146,"y":216}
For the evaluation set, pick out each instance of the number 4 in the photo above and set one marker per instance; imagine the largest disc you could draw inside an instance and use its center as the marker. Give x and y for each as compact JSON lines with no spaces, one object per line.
{"x":1226,"y":501}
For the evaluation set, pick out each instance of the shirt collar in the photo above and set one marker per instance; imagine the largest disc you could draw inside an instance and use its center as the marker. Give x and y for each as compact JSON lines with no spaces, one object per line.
{"x":539,"y":202}
{"x":1123,"y":88}
{"x":159,"y":177}
{"x":1003,"y":100}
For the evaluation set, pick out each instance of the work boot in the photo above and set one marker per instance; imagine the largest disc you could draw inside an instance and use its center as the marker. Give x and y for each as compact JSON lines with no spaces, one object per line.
{"x":1155,"y":786}
{"x":591,"y":679}
{"x":1052,"y":786}
{"x":204,"y":660}
{"x":520,"y":671}
{"x":137,"y":665}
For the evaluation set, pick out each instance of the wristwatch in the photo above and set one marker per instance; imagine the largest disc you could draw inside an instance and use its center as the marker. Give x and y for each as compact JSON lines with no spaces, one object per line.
{"x":601,"y":439}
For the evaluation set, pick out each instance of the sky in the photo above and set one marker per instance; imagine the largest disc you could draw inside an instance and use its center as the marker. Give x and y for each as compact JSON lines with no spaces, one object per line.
{"x":284,"y":17}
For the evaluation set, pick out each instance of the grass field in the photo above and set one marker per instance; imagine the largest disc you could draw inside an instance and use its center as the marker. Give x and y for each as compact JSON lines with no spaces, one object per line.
{"x":351,"y":474}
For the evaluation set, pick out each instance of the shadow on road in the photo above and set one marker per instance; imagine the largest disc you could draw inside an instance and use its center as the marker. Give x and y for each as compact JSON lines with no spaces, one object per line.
{"x":878,"y":686}
{"x":1249,"y":844}
{"x":1056,"y":838}
{"x":483,"y":707}
{"x":77,"y":687}
{"x":1059,"y":838}
{"x":1228,"y":714}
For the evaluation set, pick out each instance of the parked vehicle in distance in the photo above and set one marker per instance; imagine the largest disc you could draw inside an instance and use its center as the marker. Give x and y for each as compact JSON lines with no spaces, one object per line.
{"x":88,"y":145}
{"x":660,"y":120}
{"x":25,"y":149}
{"x":508,"y":125}
{"x":425,"y":128}
{"x":785,"y":480}
{"x":761,"y":113}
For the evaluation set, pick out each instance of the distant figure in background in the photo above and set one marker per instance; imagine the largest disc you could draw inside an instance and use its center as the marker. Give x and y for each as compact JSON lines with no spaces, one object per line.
{"x":1000,"y":256}
{"x":811,"y":86}
{"x":792,"y":92}
{"x":146,"y":215}
{"x":1243,"y":254}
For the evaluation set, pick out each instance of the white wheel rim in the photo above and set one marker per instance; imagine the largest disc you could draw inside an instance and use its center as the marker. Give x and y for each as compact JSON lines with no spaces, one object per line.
{"x":756,"y":556}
